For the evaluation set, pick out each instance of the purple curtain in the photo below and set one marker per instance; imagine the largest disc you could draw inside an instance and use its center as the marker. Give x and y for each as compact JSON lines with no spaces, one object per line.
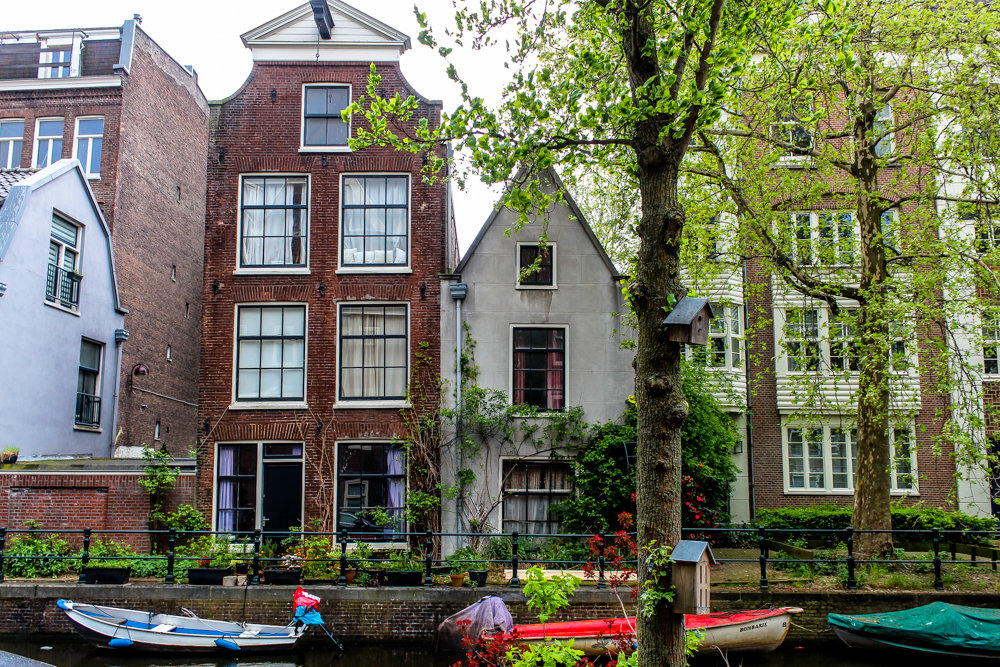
{"x":554,"y":370}
{"x":397,"y":486}
{"x":520,"y":364}
{"x":227,"y":489}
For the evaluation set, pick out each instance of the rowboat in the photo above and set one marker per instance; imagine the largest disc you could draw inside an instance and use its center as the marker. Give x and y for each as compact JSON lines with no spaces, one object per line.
{"x":936,"y":628}
{"x":127,"y":628}
{"x":754,"y":631}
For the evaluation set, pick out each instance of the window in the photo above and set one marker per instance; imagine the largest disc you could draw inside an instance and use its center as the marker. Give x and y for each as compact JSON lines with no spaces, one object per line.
{"x":271,"y":353}
{"x":11,"y":143}
{"x":48,"y":141}
{"x":374,"y":352}
{"x":371,"y":476}
{"x":825,"y":238}
{"x":823,"y":459}
{"x":987,"y":230}
{"x":898,"y":359}
{"x":805,"y":458}
{"x":790,"y":130}
{"x":173,"y":273}
{"x":156,"y":431}
{"x":62,"y":284}
{"x":890,"y":225}
{"x":187,"y":310}
{"x":540,"y":367}
{"x":883,"y":123}
{"x":530,"y":490}
{"x":843,"y":348}
{"x":323,"y":124}
{"x":843,"y":457}
{"x":725,"y":342}
{"x":544,"y":273}
{"x":376,"y":221}
{"x":54,"y":64}
{"x":237,"y":488}
{"x":274,"y":213}
{"x":902,"y":460}
{"x":170,"y":356}
{"x":802,"y":339}
{"x":88,"y":384}
{"x":991,"y":336}
{"x":89,"y":143}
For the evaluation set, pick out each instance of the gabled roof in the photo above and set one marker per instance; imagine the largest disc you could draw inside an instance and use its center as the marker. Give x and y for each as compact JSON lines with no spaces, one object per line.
{"x":269,"y":33}
{"x":551,"y":174}
{"x":9,"y":178}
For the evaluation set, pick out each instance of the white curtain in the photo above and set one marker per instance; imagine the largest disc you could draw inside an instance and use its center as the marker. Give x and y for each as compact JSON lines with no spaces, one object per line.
{"x":227,"y":489}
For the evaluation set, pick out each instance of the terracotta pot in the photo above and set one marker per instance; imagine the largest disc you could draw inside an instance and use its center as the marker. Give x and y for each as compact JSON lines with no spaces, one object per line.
{"x":350,"y":574}
{"x":457,"y":580}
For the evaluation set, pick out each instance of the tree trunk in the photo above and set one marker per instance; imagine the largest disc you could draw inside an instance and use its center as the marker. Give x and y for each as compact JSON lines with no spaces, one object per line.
{"x":659,"y":392}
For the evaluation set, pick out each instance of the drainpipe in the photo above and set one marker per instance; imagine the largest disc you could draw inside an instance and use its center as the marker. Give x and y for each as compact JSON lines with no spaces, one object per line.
{"x":748,"y":420}
{"x":121,"y":335}
{"x":458,"y":293}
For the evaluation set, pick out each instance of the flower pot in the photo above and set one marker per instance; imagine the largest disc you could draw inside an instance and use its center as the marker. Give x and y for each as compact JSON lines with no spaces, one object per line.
{"x":208,"y":576}
{"x":404,"y":578}
{"x":350,"y":574}
{"x":378,"y":577}
{"x":457,"y":580}
{"x":107,"y":575}
{"x":242,"y":568}
{"x":478,"y":577}
{"x":282,"y":577}
{"x":8,"y":457}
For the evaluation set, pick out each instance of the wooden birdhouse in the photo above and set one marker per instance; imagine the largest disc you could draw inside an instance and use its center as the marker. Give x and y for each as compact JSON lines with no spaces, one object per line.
{"x":688,"y":321}
{"x":692,"y":577}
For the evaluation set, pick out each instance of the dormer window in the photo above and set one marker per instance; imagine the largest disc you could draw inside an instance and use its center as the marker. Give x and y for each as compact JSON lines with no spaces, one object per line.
{"x":322,"y":124}
{"x":536,"y":266}
{"x":54,"y":64}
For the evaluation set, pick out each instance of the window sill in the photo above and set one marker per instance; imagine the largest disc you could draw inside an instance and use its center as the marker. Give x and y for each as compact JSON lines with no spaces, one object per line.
{"x":548,"y":287}
{"x":794,"y":163}
{"x":325,"y":149}
{"x":358,"y":270}
{"x":369,"y":405}
{"x":270,"y":405}
{"x":62,"y":308}
{"x":282,"y":271}
{"x":87,"y":429}
{"x":839,"y":492}
{"x":93,"y":177}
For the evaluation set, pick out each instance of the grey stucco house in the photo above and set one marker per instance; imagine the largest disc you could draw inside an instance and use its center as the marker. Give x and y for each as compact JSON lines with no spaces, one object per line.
{"x":551,"y":339}
{"x":61,"y":322}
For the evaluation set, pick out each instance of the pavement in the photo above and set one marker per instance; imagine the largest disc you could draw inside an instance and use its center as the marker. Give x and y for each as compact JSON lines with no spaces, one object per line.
{"x":14,"y":660}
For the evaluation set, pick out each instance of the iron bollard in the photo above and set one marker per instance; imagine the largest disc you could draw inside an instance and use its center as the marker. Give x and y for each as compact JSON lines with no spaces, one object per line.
{"x":428,"y":577}
{"x":3,"y":542}
{"x":255,"y":566}
{"x":171,"y":544}
{"x":342,"y":579}
{"x":86,"y":557}
{"x":938,"y":584}
{"x":514,"y":581}
{"x":763,"y":558}
{"x":600,"y":563}
{"x":852,"y":584}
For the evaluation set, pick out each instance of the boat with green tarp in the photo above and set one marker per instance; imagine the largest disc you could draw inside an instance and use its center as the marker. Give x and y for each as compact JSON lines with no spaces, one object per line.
{"x":938,"y":627}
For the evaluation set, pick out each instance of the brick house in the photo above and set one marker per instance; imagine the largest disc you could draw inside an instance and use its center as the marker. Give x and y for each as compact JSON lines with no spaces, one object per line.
{"x":320,"y":285}
{"x":138,"y":124}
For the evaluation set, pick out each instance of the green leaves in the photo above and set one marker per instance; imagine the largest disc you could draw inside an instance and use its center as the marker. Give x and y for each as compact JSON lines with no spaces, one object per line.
{"x":547,"y":595}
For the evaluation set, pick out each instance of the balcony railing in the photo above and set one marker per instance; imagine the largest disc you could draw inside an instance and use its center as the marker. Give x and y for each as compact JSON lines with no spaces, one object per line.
{"x":63,"y":287}
{"x":88,"y":410}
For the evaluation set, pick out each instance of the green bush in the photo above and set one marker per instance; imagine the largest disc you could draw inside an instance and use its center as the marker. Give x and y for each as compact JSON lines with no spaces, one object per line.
{"x":41,"y":554}
{"x":912,"y":517}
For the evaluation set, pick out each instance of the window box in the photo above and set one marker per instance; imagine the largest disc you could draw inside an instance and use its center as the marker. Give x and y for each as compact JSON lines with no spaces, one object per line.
{"x":208,"y":576}
{"x":282,"y":577}
{"x":404,"y":578}
{"x":107,"y":575}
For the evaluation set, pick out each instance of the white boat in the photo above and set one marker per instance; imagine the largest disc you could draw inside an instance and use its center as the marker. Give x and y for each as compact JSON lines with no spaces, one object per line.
{"x":127,"y":628}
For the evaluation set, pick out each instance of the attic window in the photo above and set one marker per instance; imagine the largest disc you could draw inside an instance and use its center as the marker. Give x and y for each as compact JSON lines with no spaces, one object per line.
{"x":322,"y":124}
{"x":536,"y":266}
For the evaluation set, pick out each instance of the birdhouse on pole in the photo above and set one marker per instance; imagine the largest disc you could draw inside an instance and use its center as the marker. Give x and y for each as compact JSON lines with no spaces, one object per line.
{"x":691,"y":560}
{"x":688,"y":321}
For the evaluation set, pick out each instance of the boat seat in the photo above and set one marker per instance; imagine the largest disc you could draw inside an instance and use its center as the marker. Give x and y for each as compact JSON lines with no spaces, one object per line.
{"x":163,"y":627}
{"x":115,"y":621}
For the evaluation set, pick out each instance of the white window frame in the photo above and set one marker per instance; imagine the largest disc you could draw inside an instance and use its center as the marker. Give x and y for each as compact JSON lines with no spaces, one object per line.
{"x":399,"y":542}
{"x":517,"y":265}
{"x":236,"y":404}
{"x":389,"y":268}
{"x":786,"y":127}
{"x":96,"y":175}
{"x":302,"y":119}
{"x":843,"y":248}
{"x":566,"y":360}
{"x":259,"y":475}
{"x":78,"y":262}
{"x":359,"y":403}
{"x":884,"y":119}
{"x":10,"y":141}
{"x":34,"y":151}
{"x":47,"y":65}
{"x":289,"y":269}
{"x":990,"y":326}
{"x":827,"y":430}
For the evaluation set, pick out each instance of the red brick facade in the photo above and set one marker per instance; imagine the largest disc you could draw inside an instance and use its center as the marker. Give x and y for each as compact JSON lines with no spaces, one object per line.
{"x":255,"y":131}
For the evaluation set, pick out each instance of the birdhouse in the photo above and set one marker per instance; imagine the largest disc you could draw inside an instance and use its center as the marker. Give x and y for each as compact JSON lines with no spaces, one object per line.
{"x":688,"y":321}
{"x":692,"y":577}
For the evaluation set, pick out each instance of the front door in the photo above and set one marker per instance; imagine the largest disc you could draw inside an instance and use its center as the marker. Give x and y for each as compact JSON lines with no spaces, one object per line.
{"x":281,"y":501}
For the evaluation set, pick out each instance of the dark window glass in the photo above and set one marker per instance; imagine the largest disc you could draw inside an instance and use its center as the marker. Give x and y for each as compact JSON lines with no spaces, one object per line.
{"x":374,"y":352}
{"x":539,"y":368}
{"x":375,"y":221}
{"x":541,"y":276}
{"x":271,"y":353}
{"x":274,"y":213}
{"x":371,"y":489}
{"x":323,"y":123}
{"x":530,"y":490}
{"x":236,"y":488}
{"x":284,"y":451}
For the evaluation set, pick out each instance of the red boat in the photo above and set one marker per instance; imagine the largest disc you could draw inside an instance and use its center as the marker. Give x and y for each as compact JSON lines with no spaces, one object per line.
{"x":756,"y":631}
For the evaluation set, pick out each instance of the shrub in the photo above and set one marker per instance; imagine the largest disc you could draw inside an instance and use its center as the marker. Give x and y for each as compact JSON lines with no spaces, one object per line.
{"x":42,"y":554}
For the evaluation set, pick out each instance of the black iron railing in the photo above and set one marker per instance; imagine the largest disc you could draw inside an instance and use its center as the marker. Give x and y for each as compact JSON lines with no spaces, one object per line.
{"x":63,"y":287}
{"x":88,"y":409}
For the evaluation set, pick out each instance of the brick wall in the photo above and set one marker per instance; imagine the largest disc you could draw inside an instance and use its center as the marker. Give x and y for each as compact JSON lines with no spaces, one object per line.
{"x":253,"y":134}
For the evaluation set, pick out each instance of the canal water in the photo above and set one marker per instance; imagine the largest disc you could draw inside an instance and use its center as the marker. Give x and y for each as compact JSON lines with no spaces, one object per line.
{"x":63,"y":653}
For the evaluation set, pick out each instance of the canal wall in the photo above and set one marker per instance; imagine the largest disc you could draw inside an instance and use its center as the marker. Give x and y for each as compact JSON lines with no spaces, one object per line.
{"x":412,"y":614}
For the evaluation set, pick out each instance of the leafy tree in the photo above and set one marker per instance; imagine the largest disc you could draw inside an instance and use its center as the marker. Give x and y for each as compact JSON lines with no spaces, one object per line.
{"x":599,"y":82}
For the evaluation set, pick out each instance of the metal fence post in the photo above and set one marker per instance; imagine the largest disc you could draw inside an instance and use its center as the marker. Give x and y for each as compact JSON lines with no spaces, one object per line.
{"x":255,"y":566}
{"x":762,"y":533}
{"x":936,"y":539}
{"x":342,"y":579}
{"x":852,"y":584}
{"x":85,"y":559}
{"x":3,"y":542}
{"x":600,"y":564}
{"x":428,"y":577}
{"x":514,"y":581}
{"x":171,"y":544}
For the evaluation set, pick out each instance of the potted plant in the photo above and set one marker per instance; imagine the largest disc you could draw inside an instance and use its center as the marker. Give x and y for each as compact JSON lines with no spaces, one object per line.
{"x":214,"y":561}
{"x":357,"y":558}
{"x":474,"y":562}
{"x":404,"y":570}
{"x":287,"y":573}
{"x":109,"y":563}
{"x":458,"y":571}
{"x":9,"y":455}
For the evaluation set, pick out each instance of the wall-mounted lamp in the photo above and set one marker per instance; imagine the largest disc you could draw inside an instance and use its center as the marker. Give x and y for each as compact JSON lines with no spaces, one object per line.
{"x":319,"y":429}
{"x":222,"y":155}
{"x":738,"y":447}
{"x":423,"y":290}
{"x":322,"y":159}
{"x":207,"y":425}
{"x":215,"y":286}
{"x":140,"y":369}
{"x":322,"y":288}
{"x":274,"y":95}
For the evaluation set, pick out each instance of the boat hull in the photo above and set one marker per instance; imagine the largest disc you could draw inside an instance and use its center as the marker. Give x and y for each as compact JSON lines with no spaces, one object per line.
{"x":861,"y":641}
{"x":110,"y":627}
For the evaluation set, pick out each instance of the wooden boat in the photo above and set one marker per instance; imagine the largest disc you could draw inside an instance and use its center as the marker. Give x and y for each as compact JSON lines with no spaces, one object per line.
{"x":755,"y":631}
{"x":936,"y":628}
{"x":126,"y":628}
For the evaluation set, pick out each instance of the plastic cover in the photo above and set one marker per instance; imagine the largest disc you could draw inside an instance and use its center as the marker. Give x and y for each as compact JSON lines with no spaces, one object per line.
{"x":938,"y":623}
{"x":488,"y":613}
